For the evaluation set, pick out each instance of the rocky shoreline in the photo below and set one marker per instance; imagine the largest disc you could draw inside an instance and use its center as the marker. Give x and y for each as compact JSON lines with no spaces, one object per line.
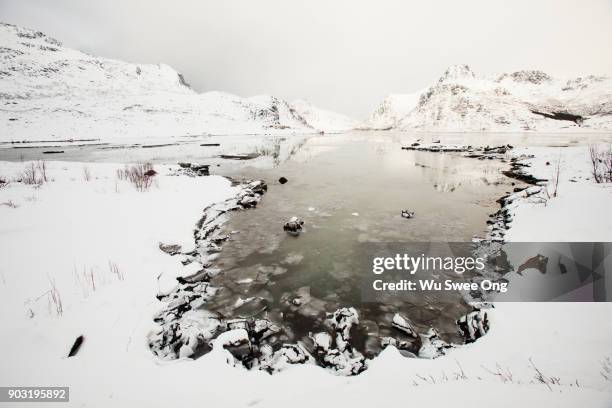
{"x":476,"y":324}
{"x":187,"y":330}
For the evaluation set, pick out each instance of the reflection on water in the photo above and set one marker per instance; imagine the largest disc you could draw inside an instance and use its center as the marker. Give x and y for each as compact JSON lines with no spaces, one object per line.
{"x":348,"y":191}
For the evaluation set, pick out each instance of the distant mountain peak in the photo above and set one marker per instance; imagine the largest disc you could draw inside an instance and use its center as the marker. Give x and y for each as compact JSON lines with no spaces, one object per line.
{"x":527,"y":100}
{"x":322,"y":119}
{"x":454,"y":72}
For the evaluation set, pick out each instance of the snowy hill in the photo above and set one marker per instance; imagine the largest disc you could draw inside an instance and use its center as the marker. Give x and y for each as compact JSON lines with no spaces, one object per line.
{"x":321,"y":119}
{"x":392,"y":109}
{"x":525,"y":100}
{"x":49,"y":91}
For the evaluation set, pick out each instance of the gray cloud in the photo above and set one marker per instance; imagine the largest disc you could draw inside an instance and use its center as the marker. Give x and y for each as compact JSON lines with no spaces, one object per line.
{"x":340,"y":54}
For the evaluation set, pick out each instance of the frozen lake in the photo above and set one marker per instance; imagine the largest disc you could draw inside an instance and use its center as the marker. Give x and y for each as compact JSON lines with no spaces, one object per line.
{"x":350,"y":190}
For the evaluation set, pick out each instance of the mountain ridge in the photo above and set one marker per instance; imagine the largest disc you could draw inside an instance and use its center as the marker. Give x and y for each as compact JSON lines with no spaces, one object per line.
{"x":54,"y":92}
{"x":528,"y":100}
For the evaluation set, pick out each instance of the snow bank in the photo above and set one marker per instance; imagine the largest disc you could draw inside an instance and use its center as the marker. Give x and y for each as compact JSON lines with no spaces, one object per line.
{"x":579,"y":211}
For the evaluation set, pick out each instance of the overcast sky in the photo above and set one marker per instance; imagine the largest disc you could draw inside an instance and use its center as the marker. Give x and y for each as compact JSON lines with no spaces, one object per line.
{"x":340,"y":55}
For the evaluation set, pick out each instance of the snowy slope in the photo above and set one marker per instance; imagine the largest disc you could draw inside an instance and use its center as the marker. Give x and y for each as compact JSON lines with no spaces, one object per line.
{"x":462,"y":100}
{"x":321,"y":119}
{"x":392,"y":109}
{"x":49,"y":91}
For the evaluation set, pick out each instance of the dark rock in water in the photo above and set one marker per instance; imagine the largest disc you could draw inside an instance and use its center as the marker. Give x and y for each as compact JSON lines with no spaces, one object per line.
{"x":185,"y":165}
{"x":282,"y":180}
{"x":171,"y":249}
{"x":251,"y":307}
{"x":247,"y":156}
{"x":210,"y":144}
{"x":53,"y":151}
{"x":415,"y":144}
{"x":200,"y":169}
{"x":261,"y":329}
{"x":249,"y":200}
{"x":258,"y":187}
{"x":251,"y":194}
{"x":76,"y":346}
{"x":293,"y":226}
{"x":548,"y":163}
{"x":407,"y":214}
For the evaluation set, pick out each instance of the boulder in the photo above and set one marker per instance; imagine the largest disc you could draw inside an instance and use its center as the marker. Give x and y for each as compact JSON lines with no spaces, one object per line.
{"x":170,"y":249}
{"x":293,"y":226}
{"x":407,"y":214}
{"x":403,"y":324}
{"x":474,"y":325}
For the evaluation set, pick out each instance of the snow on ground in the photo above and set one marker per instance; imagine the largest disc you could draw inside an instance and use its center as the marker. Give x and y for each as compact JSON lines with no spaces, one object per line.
{"x":581,"y":209}
{"x":70,"y":229}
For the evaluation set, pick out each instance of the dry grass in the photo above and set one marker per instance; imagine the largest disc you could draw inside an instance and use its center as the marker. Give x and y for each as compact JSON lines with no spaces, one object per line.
{"x":86,"y":173}
{"x":543,"y":379}
{"x":114,"y":269}
{"x":9,"y":204}
{"x":601,"y":164}
{"x":140,"y":175}
{"x":35,"y":173}
{"x":3,"y":182}
{"x":504,"y":374}
{"x":556,"y":175}
{"x":55,"y":299}
{"x":606,"y":369}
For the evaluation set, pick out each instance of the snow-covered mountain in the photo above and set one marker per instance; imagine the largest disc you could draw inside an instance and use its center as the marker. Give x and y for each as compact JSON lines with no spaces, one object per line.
{"x":392,"y":109}
{"x":49,"y":91}
{"x":321,"y":119}
{"x":525,"y":100}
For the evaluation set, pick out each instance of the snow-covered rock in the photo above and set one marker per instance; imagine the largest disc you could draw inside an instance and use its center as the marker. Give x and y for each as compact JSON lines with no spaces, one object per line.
{"x":432,"y":346}
{"x":474,"y":325}
{"x":403,"y":324}
{"x":462,"y":100}
{"x":294,"y":226}
{"x":50,"y":91}
{"x":323,"y":120}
